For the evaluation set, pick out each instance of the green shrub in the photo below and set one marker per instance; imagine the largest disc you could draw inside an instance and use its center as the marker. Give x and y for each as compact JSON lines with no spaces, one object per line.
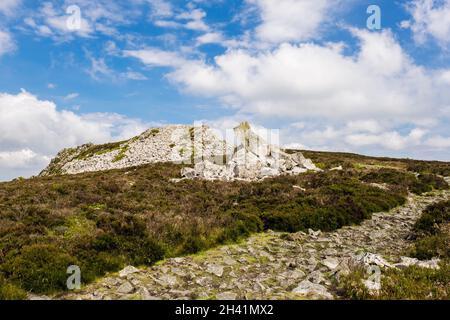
{"x":432,"y":217}
{"x":408,"y":181}
{"x":9,"y":291}
{"x":412,"y":283}
{"x":60,"y":188}
{"x":40,"y":268}
{"x":121,"y":154}
{"x":435,"y":246}
{"x":435,"y":167}
{"x":432,"y":232}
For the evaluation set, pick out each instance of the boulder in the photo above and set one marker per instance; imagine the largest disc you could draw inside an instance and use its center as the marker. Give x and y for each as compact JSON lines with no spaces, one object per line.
{"x":215,"y":269}
{"x":313,"y":290}
{"x":370,"y":259}
{"x":188,"y":173}
{"x":331,"y":263}
{"x":125,"y":288}
{"x":127,"y":271}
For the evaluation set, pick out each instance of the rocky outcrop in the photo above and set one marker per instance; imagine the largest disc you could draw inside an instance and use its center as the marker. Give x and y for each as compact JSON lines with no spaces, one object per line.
{"x":213,"y":158}
{"x":253,"y":159}
{"x":177,"y":143}
{"x":274,"y":265}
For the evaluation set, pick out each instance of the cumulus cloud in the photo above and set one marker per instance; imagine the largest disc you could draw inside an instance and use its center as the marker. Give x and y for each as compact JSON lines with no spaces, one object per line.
{"x":291,"y":20}
{"x":33,"y":130}
{"x":374,"y":99}
{"x":430,"y":19}
{"x":294,"y":81}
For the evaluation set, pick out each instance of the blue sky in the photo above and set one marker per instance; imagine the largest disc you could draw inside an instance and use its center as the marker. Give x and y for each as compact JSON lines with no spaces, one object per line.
{"x":310,"y":68}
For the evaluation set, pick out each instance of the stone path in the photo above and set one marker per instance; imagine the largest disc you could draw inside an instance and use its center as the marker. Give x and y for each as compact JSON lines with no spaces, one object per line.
{"x":270,"y":265}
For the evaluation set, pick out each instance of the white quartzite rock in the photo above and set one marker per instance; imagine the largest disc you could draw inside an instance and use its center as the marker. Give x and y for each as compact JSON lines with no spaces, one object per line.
{"x":127,"y":271}
{"x":313,"y":290}
{"x":125,"y":288}
{"x":215,"y":269}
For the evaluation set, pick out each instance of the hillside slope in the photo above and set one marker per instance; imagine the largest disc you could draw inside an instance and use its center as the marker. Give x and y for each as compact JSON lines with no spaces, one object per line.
{"x":103,"y":221}
{"x":275,"y":265}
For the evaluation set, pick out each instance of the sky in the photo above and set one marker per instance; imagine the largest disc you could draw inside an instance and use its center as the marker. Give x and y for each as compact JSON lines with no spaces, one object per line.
{"x":322,"y":72}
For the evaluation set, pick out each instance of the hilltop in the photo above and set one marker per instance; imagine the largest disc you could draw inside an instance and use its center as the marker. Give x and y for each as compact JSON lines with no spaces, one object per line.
{"x":250,"y":157}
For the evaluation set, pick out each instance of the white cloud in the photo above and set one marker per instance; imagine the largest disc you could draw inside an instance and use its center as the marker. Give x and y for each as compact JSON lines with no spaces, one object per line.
{"x":390,"y":140}
{"x":133,"y":75}
{"x":33,"y":130}
{"x":430,"y":18}
{"x":7,"y":7}
{"x":291,"y":20}
{"x":294,"y":81}
{"x":191,"y":19}
{"x":100,"y":16}
{"x":21,"y":159}
{"x":161,"y":9}
{"x":210,"y":37}
{"x":98,"y":68}
{"x":167,"y":24}
{"x":439,"y":142}
{"x":371,"y":126}
{"x":71,"y":96}
{"x":7,"y":43}
{"x":156,"y":57}
{"x":194,"y":19}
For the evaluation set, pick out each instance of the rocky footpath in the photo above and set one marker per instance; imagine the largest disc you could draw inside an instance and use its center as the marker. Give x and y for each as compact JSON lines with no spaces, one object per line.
{"x":273,"y":265}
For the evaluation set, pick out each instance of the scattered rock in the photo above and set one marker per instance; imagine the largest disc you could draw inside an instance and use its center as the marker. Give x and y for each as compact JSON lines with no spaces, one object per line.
{"x":36,"y":297}
{"x":215,"y":269}
{"x":168,"y":280}
{"x":127,"y":271}
{"x":188,"y":173}
{"x":125,"y":288}
{"x":226,"y":296}
{"x":331,"y":263}
{"x":406,"y":262}
{"x":145,"y":295}
{"x":313,"y":233}
{"x":229,"y":261}
{"x":367,"y":259}
{"x":312,"y":290}
{"x":430,"y":264}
